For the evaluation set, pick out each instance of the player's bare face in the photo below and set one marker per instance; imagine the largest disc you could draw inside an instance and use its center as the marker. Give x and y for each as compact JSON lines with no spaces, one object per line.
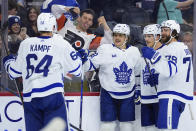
{"x":119,"y":39}
{"x":149,"y":38}
{"x":165,"y":34}
{"x":85,"y":21}
{"x":15,"y":28}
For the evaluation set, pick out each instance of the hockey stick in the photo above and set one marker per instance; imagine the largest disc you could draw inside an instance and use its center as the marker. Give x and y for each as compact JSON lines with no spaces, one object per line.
{"x":191,"y":112}
{"x":6,"y":50}
{"x":75,"y":127}
{"x":9,"y":90}
{"x":81,"y":98}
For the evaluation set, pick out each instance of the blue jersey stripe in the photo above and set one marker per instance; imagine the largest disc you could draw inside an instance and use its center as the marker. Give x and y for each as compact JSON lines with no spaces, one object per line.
{"x":149,"y":97}
{"x":43,"y":89}
{"x":17,"y":72}
{"x":122,"y":93}
{"x":74,"y":69}
{"x":175,"y":93}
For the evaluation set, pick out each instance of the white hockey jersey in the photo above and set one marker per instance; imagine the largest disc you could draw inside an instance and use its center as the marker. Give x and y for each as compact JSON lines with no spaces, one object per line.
{"x":117,"y":69}
{"x":148,"y":93}
{"x":176,"y":72}
{"x":42,"y":62}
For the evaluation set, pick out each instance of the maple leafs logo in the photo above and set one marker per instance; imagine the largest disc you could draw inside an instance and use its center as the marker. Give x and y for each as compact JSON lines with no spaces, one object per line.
{"x":122,"y":74}
{"x":146,"y":74}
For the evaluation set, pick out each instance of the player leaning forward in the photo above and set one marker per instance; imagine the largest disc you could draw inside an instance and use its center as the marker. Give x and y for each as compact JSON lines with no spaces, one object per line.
{"x":41,"y":62}
{"x":118,"y":65}
{"x":175,"y":82}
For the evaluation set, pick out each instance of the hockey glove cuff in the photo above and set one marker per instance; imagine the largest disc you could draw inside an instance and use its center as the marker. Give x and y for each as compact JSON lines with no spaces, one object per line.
{"x":151,"y":54}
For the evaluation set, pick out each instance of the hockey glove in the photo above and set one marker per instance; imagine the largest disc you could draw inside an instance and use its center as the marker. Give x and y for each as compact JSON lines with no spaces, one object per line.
{"x":83,"y":54}
{"x":151,"y":54}
{"x":137,"y":97}
{"x":73,"y":13}
{"x":7,"y":60}
{"x":153,"y":79}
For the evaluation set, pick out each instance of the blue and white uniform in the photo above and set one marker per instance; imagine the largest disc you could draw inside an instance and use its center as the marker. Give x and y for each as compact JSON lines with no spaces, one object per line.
{"x":42,"y":63}
{"x":42,"y":66}
{"x":119,"y":66}
{"x":149,"y":98}
{"x":117,"y":71}
{"x":175,"y":87}
{"x":176,"y":72}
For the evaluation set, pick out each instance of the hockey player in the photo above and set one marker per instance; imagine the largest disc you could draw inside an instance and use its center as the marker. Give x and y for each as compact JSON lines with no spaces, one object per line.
{"x":149,"y":99}
{"x":118,"y":65}
{"x":175,"y":84}
{"x":42,"y":68}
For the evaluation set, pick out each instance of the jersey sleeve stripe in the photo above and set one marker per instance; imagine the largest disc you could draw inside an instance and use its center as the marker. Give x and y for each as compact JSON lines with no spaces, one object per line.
{"x":78,"y":75}
{"x":170,"y":67}
{"x":43,"y":89}
{"x":175,"y":93}
{"x":74,"y":69}
{"x":17,"y":72}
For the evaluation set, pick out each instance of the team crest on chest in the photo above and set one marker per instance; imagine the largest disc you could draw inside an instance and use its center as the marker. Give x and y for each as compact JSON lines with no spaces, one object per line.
{"x":122,"y":73}
{"x":146,"y":74}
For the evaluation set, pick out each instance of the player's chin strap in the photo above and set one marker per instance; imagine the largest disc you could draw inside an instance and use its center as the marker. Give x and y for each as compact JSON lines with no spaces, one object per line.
{"x":171,"y":37}
{"x":126,"y":38}
{"x":155,"y":41}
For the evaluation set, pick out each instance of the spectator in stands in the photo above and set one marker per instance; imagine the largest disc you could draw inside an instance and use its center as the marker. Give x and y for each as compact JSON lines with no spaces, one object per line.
{"x":16,"y":33}
{"x":12,"y":7}
{"x":148,"y":5}
{"x":187,"y":39}
{"x":173,"y":8}
{"x":32,"y":15}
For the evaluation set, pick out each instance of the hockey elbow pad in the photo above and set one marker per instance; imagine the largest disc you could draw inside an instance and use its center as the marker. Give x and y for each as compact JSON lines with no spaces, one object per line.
{"x":7,"y":60}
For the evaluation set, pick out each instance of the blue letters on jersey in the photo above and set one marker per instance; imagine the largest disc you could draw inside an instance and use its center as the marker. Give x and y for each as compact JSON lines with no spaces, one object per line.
{"x":123,"y":74}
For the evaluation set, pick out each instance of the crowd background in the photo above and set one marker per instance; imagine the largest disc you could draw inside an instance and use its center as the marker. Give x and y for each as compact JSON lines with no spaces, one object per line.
{"x":135,"y":13}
